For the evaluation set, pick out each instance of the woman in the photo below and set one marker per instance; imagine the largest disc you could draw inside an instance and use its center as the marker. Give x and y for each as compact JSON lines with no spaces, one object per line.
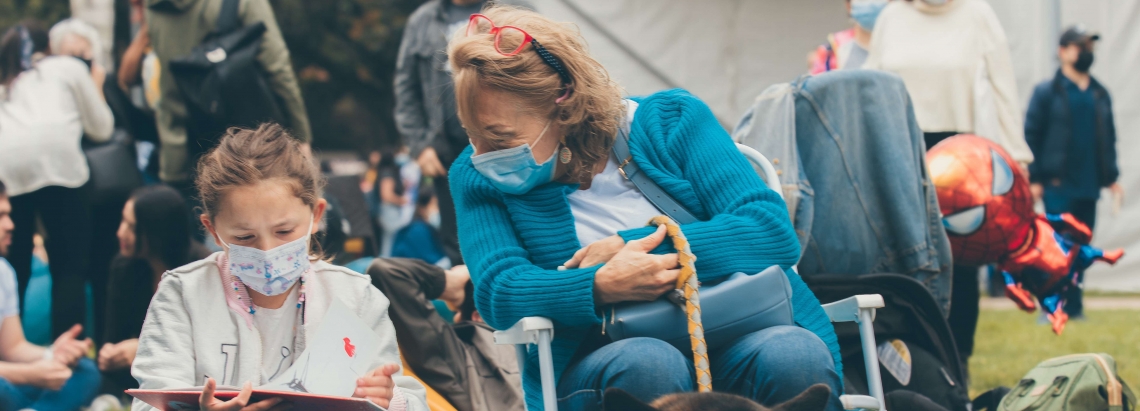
{"x":47,"y":105}
{"x":539,"y":189}
{"x":154,"y":236}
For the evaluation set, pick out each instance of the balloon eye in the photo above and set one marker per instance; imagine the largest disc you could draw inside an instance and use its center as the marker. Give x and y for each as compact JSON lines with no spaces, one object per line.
{"x":1003,"y":175}
{"x":965,"y":222}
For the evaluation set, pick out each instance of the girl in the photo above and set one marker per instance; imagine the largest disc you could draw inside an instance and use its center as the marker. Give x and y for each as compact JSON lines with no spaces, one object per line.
{"x":154,"y":236}
{"x":539,"y":189}
{"x":212,"y":323}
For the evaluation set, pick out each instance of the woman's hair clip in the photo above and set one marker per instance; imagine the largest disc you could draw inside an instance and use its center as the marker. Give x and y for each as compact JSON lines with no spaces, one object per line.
{"x":553,"y":62}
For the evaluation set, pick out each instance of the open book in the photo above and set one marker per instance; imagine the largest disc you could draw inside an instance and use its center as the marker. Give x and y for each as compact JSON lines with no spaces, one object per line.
{"x":187,"y":399}
{"x":322,"y":377}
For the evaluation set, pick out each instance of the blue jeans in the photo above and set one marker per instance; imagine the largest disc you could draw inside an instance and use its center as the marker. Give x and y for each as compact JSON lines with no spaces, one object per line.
{"x":76,"y":392}
{"x":769,"y":366}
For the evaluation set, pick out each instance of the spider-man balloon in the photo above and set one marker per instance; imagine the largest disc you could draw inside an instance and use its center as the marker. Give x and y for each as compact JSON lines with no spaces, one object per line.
{"x":988,"y":214}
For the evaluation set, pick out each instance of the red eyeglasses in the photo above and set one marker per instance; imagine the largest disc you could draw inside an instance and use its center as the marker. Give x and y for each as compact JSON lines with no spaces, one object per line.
{"x":510,"y":37}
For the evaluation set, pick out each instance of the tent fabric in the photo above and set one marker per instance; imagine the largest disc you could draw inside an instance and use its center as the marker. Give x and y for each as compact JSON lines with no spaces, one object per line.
{"x":728,"y":51}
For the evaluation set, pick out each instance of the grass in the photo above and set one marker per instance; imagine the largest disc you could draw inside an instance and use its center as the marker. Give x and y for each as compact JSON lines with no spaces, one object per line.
{"x":1009,"y":343}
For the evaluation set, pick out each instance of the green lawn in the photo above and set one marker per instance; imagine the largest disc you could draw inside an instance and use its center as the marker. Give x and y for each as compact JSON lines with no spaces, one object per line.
{"x":1009,"y":343}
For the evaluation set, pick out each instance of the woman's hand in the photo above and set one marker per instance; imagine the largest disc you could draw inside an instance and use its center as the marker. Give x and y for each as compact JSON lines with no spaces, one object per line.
{"x":598,"y":252}
{"x":455,"y":290}
{"x":67,"y":349}
{"x":635,"y":275}
{"x":207,"y":401}
{"x":117,"y":356}
{"x":377,"y":386}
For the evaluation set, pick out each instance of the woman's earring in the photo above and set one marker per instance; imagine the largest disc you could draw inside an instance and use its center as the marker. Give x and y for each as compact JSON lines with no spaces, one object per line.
{"x":564,"y":155}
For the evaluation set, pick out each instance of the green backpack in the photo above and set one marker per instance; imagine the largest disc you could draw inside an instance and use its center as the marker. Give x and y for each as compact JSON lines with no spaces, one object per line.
{"x":1078,"y":382}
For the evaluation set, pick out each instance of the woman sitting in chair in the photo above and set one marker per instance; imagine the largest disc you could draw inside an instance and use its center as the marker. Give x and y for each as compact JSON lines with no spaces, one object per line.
{"x":539,"y":190}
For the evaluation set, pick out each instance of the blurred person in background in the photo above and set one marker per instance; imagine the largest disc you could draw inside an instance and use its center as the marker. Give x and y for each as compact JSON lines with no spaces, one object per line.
{"x":847,"y":49}
{"x":420,"y":238}
{"x":34,"y":377}
{"x":397,"y":184}
{"x":954,"y":57}
{"x":425,"y":100}
{"x":154,"y":237}
{"x":47,"y":105}
{"x":1071,"y":130}
{"x":174,"y":27}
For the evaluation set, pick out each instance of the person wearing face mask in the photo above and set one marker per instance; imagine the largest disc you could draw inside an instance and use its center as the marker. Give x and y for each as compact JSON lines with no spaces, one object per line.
{"x":1070,"y":127}
{"x":550,"y":225}
{"x":241,"y":316}
{"x":847,"y":49}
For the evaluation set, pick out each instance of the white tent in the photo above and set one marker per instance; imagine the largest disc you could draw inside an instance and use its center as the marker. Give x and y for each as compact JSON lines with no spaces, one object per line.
{"x":728,"y":51}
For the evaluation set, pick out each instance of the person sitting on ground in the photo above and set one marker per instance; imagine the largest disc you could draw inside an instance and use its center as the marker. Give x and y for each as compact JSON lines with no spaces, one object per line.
{"x":55,"y":378}
{"x":420,"y":239}
{"x":261,"y":203}
{"x":154,"y":236}
{"x":459,"y":361}
{"x":539,"y":189}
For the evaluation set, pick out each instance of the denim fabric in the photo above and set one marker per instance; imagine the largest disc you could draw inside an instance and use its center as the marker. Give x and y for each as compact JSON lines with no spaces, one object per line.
{"x":77,"y":392}
{"x":864,"y":195}
{"x":769,"y":366}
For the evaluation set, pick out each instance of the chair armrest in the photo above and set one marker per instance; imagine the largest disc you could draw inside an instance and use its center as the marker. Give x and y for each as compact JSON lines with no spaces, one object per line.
{"x":525,"y":331}
{"x":859,"y":402}
{"x":847,"y":309}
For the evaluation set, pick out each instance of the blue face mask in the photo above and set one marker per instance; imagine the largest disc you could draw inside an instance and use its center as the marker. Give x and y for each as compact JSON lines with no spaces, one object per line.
{"x":866,"y":12}
{"x":514,"y":170}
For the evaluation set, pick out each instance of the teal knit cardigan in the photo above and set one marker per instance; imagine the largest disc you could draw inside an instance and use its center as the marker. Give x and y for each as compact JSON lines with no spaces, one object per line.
{"x":513,"y":244}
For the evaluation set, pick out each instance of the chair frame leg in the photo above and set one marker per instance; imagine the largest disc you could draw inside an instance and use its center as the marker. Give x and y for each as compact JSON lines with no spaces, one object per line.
{"x":871,"y":357}
{"x":546,"y":371}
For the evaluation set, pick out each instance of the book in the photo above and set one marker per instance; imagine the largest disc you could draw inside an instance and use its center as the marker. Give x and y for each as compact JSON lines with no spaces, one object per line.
{"x":187,"y":399}
{"x":322,"y":377}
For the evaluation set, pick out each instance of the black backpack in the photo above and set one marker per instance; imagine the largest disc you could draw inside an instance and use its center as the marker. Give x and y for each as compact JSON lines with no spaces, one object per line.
{"x":223,"y":83}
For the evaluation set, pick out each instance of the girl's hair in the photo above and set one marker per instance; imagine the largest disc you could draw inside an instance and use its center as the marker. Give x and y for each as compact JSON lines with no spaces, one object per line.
{"x":589,"y":116}
{"x":246,"y":157}
{"x":162,"y":225}
{"x":12,"y":48}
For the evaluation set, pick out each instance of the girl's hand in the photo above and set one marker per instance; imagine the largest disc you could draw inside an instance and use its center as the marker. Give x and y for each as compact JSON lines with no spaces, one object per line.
{"x":377,"y":386}
{"x":48,"y":374}
{"x":599,"y":252}
{"x":207,"y":401}
{"x":635,"y":275}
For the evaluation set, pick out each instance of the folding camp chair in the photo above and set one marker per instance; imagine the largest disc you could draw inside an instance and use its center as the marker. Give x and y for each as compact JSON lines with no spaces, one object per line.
{"x":859,"y":309}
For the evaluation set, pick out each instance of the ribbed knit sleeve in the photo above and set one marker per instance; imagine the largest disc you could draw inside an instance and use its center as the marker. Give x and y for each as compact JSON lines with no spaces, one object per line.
{"x":745,"y":225}
{"x":508,"y":286}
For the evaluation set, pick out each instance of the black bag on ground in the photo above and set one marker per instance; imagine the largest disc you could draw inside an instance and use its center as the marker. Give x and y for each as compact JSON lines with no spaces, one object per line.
{"x":223,"y":83}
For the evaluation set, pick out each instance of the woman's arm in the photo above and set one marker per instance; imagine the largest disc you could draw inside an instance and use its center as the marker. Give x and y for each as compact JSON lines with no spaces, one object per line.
{"x":747,"y":227}
{"x":165,"y":355}
{"x":508,"y":286}
{"x":94,"y":113}
{"x":1006,"y":100}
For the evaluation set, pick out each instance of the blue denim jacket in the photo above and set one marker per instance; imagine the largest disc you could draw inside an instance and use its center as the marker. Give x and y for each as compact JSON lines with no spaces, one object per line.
{"x":853,"y":165}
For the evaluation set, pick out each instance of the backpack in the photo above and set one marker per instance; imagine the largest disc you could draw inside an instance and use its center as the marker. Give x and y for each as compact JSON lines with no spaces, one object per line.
{"x":223,"y":83}
{"x":1078,"y":382}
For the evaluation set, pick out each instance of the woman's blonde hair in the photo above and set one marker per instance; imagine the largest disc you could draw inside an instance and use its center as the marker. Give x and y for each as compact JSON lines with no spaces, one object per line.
{"x":589,"y":116}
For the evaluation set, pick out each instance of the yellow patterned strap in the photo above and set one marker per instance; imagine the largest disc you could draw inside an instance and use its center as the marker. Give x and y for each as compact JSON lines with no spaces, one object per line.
{"x":687,"y":282}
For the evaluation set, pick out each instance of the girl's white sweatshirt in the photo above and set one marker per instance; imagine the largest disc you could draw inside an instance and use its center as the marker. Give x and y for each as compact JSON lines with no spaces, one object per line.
{"x":192,"y":330}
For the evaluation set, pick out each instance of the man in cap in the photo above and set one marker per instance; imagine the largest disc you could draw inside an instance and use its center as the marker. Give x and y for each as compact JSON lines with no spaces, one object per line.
{"x":1069,"y":126}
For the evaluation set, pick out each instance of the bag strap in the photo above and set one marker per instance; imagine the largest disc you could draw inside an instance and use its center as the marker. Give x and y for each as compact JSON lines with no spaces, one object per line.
{"x":652,"y":192}
{"x":228,"y":19}
{"x":1129,"y":397}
